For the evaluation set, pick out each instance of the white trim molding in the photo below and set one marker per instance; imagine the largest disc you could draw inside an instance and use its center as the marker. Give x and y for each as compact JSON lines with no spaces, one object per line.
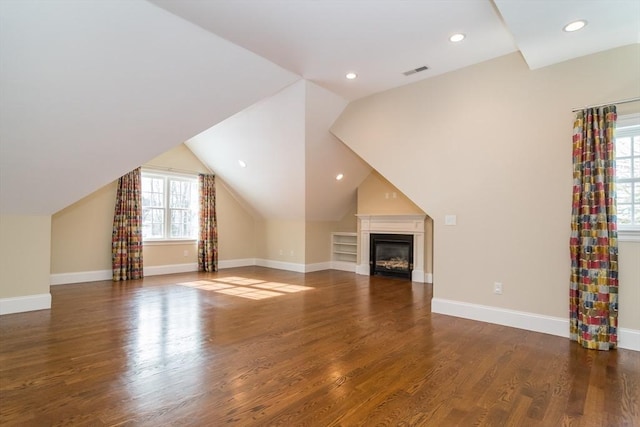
{"x":95,"y":276}
{"x":629,"y":236}
{"x":319,"y":266}
{"x":627,"y":338}
{"x":392,"y":224}
{"x":280,"y":265}
{"x":233,"y":263}
{"x":25,"y":303}
{"x":80,"y":277}
{"x":157,"y":270}
{"x":343,"y":266}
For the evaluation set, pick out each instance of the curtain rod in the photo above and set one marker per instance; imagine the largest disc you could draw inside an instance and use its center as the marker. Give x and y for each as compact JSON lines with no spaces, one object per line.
{"x":177,"y":170}
{"x":622,"y":101}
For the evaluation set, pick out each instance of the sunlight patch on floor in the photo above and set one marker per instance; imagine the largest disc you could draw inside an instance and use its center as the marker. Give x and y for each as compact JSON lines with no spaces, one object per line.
{"x":246,"y":288}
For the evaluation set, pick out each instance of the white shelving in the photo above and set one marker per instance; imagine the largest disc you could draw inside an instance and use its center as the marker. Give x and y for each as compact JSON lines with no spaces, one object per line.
{"x":344,"y":250}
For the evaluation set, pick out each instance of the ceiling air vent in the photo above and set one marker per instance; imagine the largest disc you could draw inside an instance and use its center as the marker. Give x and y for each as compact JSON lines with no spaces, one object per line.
{"x":416,"y":70}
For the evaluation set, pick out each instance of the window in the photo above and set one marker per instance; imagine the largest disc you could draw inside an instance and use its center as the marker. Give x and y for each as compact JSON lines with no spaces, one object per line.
{"x":628,"y":173}
{"x":169,"y":206}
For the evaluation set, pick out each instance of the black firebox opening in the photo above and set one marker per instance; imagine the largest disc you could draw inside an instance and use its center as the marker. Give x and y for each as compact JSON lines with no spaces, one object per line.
{"x":391,"y":255}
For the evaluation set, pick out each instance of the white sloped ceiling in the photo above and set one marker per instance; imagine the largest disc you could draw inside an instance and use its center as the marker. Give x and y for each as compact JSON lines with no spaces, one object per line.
{"x":90,"y":90}
{"x":291,"y":158}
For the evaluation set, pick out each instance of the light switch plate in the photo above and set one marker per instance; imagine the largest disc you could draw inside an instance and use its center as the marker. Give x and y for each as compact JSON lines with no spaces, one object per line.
{"x":450,"y":220}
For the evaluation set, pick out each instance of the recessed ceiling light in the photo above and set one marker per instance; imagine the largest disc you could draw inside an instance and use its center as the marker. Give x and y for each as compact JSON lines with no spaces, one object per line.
{"x":351,"y":76}
{"x":339,"y":177}
{"x":457,"y":37}
{"x":242,"y":164}
{"x":575,"y":26}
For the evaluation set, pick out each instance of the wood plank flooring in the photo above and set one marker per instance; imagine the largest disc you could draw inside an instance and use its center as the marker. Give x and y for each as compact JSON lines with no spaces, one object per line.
{"x":351,"y":351}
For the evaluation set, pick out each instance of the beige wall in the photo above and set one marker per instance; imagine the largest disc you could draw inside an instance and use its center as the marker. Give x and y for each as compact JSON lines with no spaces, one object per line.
{"x":349,"y":222}
{"x":81,"y":233}
{"x":318,"y":235}
{"x":378,"y":196}
{"x":318,"y":241}
{"x":25,"y":248}
{"x":236,"y":226}
{"x":281,"y":240}
{"x":629,"y":291}
{"x":491,"y":143}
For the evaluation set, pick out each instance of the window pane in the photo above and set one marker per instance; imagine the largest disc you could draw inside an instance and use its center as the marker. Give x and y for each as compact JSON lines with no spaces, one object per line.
{"x":152,"y":192}
{"x":157,"y":185}
{"x":623,"y":147}
{"x":157,"y":230}
{"x":169,"y":199}
{"x":180,"y":194}
{"x":152,"y":223}
{"x":624,"y":214}
{"x":623,"y":168}
{"x":636,"y":145}
{"x":636,"y":167}
{"x":624,"y":192}
{"x":636,"y":214}
{"x":180,"y":223}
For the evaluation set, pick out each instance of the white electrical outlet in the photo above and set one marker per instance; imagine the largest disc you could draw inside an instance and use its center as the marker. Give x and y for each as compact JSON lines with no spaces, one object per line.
{"x":497,"y":288}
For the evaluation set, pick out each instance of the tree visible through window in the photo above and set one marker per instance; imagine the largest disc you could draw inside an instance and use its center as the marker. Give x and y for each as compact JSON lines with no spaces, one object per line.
{"x":628,"y":172}
{"x":169,"y":206}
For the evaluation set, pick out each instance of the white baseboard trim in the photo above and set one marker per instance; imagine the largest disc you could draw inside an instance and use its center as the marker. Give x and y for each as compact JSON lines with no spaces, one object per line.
{"x":417,"y":276}
{"x":363,"y":269}
{"x":428,"y":278}
{"x":25,"y":303}
{"x":80,"y":277}
{"x":627,"y":338}
{"x":233,"y":263}
{"x":279,"y":265}
{"x":343,"y":266}
{"x":500,"y":316}
{"x":158,"y":270}
{"x":319,"y":266}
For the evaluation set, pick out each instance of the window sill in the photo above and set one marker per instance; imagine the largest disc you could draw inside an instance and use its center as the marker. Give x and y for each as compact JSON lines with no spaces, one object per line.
{"x":169,"y":242}
{"x":629,"y":236}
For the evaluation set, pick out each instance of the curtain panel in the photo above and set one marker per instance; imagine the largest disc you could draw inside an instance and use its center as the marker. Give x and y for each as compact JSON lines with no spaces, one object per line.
{"x":593,"y":295}
{"x":126,"y":240}
{"x":208,"y":238}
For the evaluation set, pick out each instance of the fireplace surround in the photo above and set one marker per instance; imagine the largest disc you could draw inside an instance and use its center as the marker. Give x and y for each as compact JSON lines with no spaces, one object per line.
{"x":412,"y":225}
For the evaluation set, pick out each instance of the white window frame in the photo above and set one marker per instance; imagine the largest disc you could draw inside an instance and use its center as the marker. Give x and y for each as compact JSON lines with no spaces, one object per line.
{"x":167,"y":177}
{"x":629,"y":125}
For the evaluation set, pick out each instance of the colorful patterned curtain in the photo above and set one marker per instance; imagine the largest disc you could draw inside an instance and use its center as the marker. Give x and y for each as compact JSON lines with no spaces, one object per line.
{"x":126,"y":240}
{"x":208,"y":241}
{"x":593,"y":296}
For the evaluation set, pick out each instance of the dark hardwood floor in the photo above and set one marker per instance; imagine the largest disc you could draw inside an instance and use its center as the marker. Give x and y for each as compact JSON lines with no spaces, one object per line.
{"x":351,"y":351}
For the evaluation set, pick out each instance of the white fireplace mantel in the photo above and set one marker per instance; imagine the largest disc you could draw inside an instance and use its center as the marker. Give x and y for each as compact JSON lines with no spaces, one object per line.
{"x":392,"y":224}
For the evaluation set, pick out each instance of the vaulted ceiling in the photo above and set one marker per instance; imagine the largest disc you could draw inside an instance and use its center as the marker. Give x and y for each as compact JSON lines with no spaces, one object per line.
{"x":90,"y":90}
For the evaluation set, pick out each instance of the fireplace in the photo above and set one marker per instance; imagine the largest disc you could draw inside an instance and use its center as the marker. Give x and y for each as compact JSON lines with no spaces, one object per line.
{"x":412,"y":225}
{"x":391,"y":255}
